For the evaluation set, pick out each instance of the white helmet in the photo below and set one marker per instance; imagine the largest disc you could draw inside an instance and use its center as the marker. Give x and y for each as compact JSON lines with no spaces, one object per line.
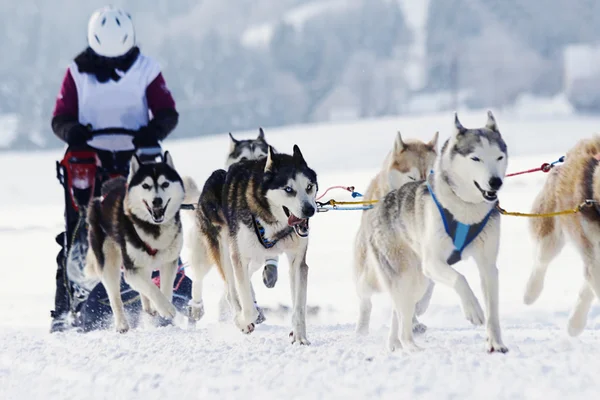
{"x":111,"y":32}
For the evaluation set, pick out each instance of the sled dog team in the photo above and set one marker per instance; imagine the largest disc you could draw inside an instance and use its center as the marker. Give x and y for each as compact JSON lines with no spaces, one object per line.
{"x":434,"y":210}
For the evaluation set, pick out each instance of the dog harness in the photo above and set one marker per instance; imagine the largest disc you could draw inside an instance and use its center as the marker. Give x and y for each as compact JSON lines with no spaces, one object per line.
{"x":260,"y":233}
{"x":461,"y":234}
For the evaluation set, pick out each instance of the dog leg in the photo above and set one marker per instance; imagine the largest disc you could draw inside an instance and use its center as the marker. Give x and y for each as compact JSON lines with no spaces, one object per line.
{"x":200,"y":266}
{"x":168,"y":273}
{"x":147,"y":305}
{"x":142,"y":284}
{"x":247,"y":315}
{"x":421,"y":307}
{"x":364,"y":314}
{"x":111,"y":279}
{"x":578,"y":317}
{"x":488,"y":273}
{"x":546,"y":250}
{"x":402,"y":293}
{"x":393,"y":340}
{"x":298,"y":283}
{"x":440,"y":272}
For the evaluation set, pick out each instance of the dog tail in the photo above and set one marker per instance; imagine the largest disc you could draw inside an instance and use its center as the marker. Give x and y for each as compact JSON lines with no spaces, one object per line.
{"x":192,"y":193}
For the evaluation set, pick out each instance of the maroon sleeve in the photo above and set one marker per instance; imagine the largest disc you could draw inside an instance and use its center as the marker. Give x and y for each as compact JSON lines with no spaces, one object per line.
{"x":158,"y":95}
{"x":66,"y":101}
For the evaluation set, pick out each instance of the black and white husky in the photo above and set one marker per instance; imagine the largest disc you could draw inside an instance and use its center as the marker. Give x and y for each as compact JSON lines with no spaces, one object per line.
{"x":136,"y":228}
{"x":255,"y":210}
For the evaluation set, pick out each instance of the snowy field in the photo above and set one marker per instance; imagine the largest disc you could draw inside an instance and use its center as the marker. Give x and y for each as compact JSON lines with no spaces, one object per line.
{"x":215,"y":361}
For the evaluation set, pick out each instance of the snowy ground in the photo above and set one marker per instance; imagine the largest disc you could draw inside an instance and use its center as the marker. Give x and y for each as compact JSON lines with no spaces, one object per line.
{"x":216,"y":361}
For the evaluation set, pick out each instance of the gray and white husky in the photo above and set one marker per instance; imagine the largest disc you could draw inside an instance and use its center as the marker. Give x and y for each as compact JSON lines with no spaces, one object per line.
{"x":246,"y":149}
{"x":419,"y":231}
{"x":255,"y":210}
{"x":136,"y":225}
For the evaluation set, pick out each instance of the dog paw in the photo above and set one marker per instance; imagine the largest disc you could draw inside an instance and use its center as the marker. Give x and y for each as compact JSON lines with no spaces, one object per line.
{"x":168,"y":311}
{"x":122,"y":326}
{"x":362,"y":331}
{"x":300,"y":339}
{"x":261,"y":316}
{"x":473,"y":311}
{"x":576,"y":325}
{"x":411,"y":347}
{"x":195,"y":310}
{"x":533,"y":290}
{"x":495,"y":346}
{"x":394,"y":344}
{"x":246,"y":323}
{"x":419,"y":328}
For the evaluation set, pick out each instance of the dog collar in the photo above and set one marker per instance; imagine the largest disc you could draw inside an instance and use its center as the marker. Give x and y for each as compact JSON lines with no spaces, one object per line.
{"x":260,"y":233}
{"x":461,"y":234}
{"x":152,"y":252}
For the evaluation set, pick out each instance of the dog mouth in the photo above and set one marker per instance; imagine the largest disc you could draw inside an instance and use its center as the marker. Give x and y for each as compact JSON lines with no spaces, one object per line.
{"x":300,"y":225}
{"x":157,"y":213}
{"x":488,"y":195}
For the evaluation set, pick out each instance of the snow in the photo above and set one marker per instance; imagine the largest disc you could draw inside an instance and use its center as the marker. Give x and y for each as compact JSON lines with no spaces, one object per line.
{"x":215,"y":361}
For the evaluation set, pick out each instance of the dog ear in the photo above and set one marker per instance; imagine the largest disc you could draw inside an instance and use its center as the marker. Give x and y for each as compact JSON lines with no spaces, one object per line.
{"x":169,"y":159}
{"x":134,"y":165}
{"x":269,"y":164}
{"x":399,"y":145}
{"x":232,"y":142}
{"x":261,"y":134}
{"x":433,"y":142}
{"x":460,"y":129}
{"x":298,"y":157}
{"x":491,"y":122}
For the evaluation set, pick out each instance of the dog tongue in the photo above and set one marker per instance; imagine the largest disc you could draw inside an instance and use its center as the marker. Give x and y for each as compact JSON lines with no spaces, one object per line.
{"x":293,"y":220}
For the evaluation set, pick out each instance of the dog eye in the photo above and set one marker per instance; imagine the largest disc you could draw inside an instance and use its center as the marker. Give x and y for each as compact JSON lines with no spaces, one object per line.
{"x":500,"y":158}
{"x":243,"y":158}
{"x":411,"y":178}
{"x":288,"y":189}
{"x":476,"y":159}
{"x":309,"y":187}
{"x":165,"y":185}
{"x":146,"y":186}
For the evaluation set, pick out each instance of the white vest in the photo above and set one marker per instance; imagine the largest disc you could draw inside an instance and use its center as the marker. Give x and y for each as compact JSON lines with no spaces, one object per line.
{"x":113,"y":104}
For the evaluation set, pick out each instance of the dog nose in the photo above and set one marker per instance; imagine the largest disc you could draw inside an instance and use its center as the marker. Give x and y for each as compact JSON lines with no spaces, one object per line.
{"x":157,"y":202}
{"x":308,"y":210}
{"x":495,"y":183}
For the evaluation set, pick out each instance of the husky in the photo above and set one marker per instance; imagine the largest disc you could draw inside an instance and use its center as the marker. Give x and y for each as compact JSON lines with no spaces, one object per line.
{"x":567,"y":186}
{"x":419,"y":231}
{"x":408,"y":161}
{"x":239,"y":150}
{"x":255,"y":210}
{"x":246,"y":149}
{"x":137,"y":226}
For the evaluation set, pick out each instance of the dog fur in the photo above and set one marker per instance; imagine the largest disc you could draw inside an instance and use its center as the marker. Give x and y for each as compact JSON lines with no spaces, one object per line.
{"x":566,"y":187}
{"x":409,"y":246}
{"x":137,"y":226}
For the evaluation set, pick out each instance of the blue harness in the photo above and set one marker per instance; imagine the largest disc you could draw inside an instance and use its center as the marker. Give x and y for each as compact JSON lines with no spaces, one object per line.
{"x":461,"y":234}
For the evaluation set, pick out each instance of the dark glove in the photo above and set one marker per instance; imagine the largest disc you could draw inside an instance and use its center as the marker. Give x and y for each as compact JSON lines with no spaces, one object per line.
{"x":78,"y":135}
{"x":145,"y":137}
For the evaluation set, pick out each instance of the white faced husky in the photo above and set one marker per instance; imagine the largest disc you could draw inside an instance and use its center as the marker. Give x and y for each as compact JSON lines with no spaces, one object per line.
{"x":239,"y":150}
{"x":422,"y":229}
{"x":255,"y":210}
{"x":137,"y":226}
